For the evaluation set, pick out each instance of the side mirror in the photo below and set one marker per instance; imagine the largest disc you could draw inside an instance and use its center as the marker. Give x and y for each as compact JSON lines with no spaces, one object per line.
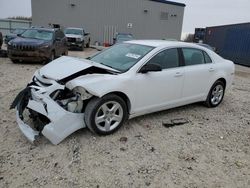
{"x":150,"y":68}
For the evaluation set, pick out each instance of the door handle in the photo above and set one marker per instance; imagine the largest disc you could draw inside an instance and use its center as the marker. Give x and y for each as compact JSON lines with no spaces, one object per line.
{"x":178,"y":74}
{"x":211,"y":69}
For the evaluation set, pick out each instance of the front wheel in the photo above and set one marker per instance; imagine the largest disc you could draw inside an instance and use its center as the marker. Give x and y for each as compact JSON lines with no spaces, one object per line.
{"x":88,"y":44}
{"x":216,"y":94}
{"x":105,"y":115}
{"x":15,"y":61}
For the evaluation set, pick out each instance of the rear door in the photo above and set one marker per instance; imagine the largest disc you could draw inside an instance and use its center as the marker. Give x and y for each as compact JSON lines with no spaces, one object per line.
{"x":58,"y":50}
{"x":63,"y":42}
{"x":199,"y":71}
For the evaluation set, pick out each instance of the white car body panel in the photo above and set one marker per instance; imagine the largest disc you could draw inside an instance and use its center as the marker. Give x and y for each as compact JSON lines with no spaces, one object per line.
{"x":147,"y":100}
{"x":150,"y":92}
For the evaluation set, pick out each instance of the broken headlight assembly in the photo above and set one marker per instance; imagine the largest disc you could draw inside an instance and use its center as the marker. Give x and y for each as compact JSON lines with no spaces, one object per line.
{"x":72,"y":100}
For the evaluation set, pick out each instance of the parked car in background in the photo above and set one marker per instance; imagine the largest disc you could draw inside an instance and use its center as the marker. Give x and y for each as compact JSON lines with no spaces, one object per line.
{"x":127,"y":80}
{"x":206,"y":46}
{"x":38,"y":45}
{"x":77,"y":37}
{"x":1,"y":40}
{"x":122,"y":37}
{"x":14,"y":34}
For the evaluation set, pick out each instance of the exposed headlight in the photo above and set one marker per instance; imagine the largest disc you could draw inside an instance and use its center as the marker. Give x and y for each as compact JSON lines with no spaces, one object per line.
{"x":81,"y":92}
{"x":78,"y":39}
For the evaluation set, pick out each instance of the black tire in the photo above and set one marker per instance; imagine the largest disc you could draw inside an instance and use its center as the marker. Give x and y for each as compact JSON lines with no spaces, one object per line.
{"x":15,"y":61}
{"x":52,"y":56}
{"x":88,"y":45}
{"x":94,"y":106}
{"x":65,"y":53}
{"x":210,"y":96}
{"x":82,"y":47}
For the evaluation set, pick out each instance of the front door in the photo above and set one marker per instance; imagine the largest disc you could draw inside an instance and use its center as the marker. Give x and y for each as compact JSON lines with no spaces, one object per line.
{"x":158,"y":90}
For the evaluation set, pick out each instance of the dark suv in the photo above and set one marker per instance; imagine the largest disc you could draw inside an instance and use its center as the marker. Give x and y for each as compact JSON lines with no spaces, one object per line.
{"x":1,"y":40}
{"x":14,"y":34}
{"x":38,"y":45}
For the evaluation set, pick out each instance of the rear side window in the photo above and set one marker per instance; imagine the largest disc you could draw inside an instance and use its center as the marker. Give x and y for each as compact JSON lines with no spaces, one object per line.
{"x":193,"y":56}
{"x":166,"y":59}
{"x":207,"y":58}
{"x":59,"y":34}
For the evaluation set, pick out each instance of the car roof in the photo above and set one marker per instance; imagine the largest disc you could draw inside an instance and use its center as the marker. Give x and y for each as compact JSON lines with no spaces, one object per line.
{"x":163,"y":43}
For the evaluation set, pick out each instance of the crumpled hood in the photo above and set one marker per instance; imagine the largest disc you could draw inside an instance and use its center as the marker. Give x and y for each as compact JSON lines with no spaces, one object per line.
{"x":28,"y":41}
{"x":65,"y":66}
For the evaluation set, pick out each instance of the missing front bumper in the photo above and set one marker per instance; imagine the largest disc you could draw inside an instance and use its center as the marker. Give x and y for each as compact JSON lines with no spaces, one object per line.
{"x":61,"y":122}
{"x":28,"y":132}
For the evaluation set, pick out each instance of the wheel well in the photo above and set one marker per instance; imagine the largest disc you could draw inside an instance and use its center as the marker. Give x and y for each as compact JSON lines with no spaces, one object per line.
{"x":223,"y":80}
{"x":124,"y":97}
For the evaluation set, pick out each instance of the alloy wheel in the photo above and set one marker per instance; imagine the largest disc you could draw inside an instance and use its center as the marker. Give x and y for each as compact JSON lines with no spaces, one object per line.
{"x":109,"y":116}
{"x":217,"y":94}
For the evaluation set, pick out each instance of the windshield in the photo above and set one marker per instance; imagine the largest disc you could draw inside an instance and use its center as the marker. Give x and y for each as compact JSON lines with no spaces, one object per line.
{"x":122,"y":56}
{"x":73,"y":31}
{"x":38,"y":34}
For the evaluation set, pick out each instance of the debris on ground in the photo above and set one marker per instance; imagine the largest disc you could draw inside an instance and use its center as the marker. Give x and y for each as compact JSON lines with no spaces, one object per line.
{"x":175,"y":122}
{"x":123,"y":139}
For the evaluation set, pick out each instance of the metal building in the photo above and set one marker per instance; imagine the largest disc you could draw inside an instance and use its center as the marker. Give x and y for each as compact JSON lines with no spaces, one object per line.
{"x":8,"y":25}
{"x":231,"y":41}
{"x":145,"y":19}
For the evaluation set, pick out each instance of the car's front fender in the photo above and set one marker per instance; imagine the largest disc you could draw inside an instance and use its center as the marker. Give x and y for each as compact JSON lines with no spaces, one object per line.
{"x":99,"y":84}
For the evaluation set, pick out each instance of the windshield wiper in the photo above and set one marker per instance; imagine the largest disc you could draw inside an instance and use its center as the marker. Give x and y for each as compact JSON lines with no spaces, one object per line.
{"x":110,"y":67}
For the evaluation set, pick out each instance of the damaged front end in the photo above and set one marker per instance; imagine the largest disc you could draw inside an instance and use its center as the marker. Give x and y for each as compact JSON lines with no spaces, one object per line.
{"x":55,"y":111}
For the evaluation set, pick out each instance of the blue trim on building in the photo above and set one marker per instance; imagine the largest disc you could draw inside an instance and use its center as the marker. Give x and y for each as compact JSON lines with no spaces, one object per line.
{"x":170,"y":2}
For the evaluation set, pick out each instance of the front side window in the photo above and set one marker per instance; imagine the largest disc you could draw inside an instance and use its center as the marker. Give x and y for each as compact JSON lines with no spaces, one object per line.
{"x":193,"y":56}
{"x":166,"y":59}
{"x":38,"y":34}
{"x":122,"y":56}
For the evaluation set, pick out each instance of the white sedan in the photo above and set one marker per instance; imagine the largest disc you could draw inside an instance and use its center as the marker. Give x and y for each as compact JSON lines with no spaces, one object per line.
{"x":122,"y":82}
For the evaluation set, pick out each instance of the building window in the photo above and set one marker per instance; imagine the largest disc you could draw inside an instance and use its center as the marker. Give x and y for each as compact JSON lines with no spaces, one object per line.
{"x":164,"y":16}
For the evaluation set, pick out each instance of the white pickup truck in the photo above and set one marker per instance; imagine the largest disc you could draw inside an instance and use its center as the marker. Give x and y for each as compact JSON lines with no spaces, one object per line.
{"x":77,"y":37}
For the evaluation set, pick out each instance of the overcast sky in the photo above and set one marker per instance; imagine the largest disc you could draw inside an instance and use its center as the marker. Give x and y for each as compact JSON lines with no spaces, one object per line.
{"x":198,"y":13}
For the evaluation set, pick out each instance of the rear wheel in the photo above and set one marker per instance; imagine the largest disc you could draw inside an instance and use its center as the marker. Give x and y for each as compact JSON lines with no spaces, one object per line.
{"x":216,"y":94}
{"x":105,"y":115}
{"x":65,"y":53}
{"x":82,"y":47}
{"x":15,"y":61}
{"x":88,"y":45}
{"x":52,"y":57}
